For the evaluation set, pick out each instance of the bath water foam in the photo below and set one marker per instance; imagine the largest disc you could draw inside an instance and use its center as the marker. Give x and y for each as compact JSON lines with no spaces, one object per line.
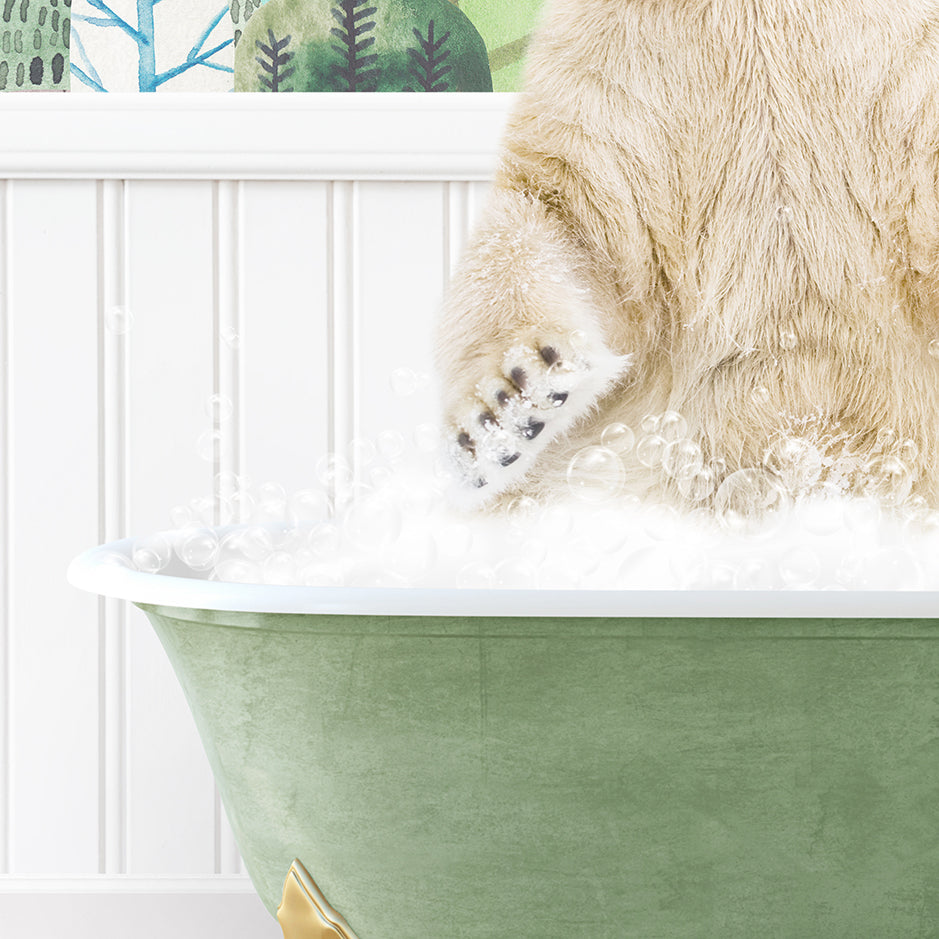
{"x":383,"y":519}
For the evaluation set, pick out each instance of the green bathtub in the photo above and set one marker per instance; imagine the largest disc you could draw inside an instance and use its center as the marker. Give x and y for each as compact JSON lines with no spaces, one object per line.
{"x":445,"y":770}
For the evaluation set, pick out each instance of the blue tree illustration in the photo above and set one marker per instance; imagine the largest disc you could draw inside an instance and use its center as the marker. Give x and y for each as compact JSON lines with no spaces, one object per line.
{"x":144,"y":36}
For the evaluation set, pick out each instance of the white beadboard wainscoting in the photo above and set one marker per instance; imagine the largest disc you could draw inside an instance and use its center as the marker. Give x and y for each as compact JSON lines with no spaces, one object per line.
{"x":287,"y":253}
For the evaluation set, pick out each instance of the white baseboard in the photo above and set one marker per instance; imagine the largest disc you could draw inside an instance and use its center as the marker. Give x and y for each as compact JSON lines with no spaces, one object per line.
{"x":115,"y":908}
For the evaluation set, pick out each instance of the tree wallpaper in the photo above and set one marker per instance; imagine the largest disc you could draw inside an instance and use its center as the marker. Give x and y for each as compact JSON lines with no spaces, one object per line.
{"x":266,"y":46}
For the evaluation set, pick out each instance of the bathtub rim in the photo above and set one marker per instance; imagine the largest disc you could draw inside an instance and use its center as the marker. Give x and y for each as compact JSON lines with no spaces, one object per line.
{"x":89,"y":571}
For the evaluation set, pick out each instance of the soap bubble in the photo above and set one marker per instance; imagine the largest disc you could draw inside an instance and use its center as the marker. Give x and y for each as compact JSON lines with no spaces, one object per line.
{"x":307,"y":506}
{"x":391,"y":445}
{"x":219,"y":407}
{"x":578,"y":340}
{"x":413,"y":555}
{"x":333,"y":470}
{"x":888,"y":479}
{"x":796,"y":462}
{"x":322,"y":575}
{"x":151,"y":554}
{"x":454,"y":540}
{"x":682,"y":457}
{"x":755,"y":574}
{"x":799,"y":567}
{"x":270,"y":511}
{"x":788,"y":340}
{"x":427,"y":437}
{"x":373,"y":522}
{"x":908,"y":452}
{"x":933,"y":348}
{"x":118,"y":560}
{"x":750,"y":501}
{"x":516,"y":573}
{"x":823,"y":514}
{"x":618,"y":437}
{"x":761,"y":395}
{"x":181,"y":516}
{"x":475,"y":576}
{"x":863,"y":515}
{"x":362,"y":451}
{"x":521,"y":508}
{"x":198,"y":548}
{"x":404,"y":382}
{"x":237,"y":571}
{"x":230,"y":337}
{"x":646,"y":568}
{"x":207,"y":445}
{"x":242,"y":505}
{"x":118,"y":320}
{"x":697,"y":483}
{"x":595,"y":474}
{"x":711,"y":575}
{"x":556,"y":520}
{"x":650,"y":423}
{"x":253,"y":544}
{"x":279,"y":567}
{"x":886,"y":439}
{"x":324,"y":540}
{"x":651,"y":450}
{"x":534,"y":550}
{"x":672,"y":426}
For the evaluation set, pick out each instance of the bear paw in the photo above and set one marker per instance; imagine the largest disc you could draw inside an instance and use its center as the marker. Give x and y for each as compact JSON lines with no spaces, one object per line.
{"x":537,"y":391}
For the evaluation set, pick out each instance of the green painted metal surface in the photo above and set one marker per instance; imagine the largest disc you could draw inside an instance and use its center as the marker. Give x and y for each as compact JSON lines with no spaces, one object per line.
{"x":543,"y":778}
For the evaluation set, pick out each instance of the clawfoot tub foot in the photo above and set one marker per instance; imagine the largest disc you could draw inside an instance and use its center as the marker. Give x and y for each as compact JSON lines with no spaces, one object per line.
{"x":304,"y":912}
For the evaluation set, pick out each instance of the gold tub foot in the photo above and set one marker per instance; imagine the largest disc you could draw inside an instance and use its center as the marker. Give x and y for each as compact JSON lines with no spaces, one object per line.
{"x":304,"y":912}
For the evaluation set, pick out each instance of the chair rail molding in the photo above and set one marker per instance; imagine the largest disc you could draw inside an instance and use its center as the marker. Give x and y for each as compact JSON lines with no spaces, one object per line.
{"x":252,"y":136}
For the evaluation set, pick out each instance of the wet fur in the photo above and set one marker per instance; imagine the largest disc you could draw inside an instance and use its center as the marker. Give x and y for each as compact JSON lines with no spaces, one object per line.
{"x":693,"y":183}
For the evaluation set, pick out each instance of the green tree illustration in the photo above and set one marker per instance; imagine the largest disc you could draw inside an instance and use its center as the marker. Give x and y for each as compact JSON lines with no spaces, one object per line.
{"x":356,"y":71}
{"x":34,"y":44}
{"x":274,"y":61}
{"x":427,"y":66}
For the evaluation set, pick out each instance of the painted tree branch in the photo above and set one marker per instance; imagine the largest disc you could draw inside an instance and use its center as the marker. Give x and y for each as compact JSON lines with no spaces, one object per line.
{"x":427,"y":61}
{"x":357,"y":71}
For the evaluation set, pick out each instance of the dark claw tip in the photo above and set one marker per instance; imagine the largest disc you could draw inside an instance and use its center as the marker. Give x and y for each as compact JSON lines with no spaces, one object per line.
{"x":488,"y":419}
{"x":502,"y":398}
{"x":479,"y":483}
{"x":466,"y":442}
{"x":519,"y":376}
{"x":550,"y":355}
{"x":509,"y":460}
{"x":558,"y":398}
{"x":532,"y":429}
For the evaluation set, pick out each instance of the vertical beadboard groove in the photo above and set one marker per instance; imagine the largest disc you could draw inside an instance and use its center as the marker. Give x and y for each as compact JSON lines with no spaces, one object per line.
{"x":113,"y":391}
{"x":227,"y":292}
{"x":456,"y":224}
{"x":343,"y":241}
{"x":6,"y":505}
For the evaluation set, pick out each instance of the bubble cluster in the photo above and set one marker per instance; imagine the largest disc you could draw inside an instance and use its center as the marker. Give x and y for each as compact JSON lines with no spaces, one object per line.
{"x":377,"y":515}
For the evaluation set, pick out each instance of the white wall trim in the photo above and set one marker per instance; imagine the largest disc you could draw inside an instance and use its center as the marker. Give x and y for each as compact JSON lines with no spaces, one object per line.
{"x":252,"y":136}
{"x":126,"y":884}
{"x":108,"y":908}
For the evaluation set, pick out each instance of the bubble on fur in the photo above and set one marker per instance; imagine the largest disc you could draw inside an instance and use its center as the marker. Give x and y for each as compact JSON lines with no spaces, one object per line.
{"x":595,"y":474}
{"x":651,"y":450}
{"x":795,"y":461}
{"x":682,"y":457}
{"x":618,"y":437}
{"x":750,"y":501}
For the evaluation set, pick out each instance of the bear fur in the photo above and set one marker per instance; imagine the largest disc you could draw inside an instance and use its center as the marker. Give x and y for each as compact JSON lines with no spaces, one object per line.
{"x":724,"y":208}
